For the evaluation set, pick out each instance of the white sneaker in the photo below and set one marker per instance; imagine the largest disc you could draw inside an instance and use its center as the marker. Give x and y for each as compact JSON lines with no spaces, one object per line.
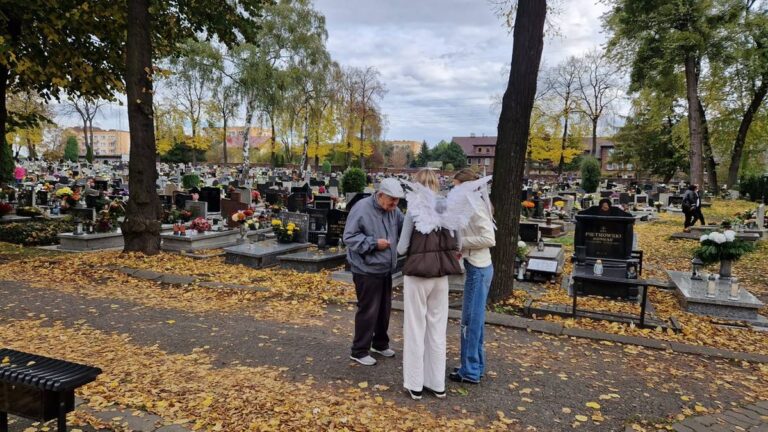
{"x":386,"y":353}
{"x":365,"y":361}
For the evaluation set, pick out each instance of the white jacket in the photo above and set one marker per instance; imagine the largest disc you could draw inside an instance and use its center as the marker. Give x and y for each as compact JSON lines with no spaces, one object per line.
{"x":477,"y":239}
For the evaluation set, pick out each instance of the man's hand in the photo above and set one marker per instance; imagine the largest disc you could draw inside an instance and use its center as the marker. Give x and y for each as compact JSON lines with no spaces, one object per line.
{"x":382,"y":244}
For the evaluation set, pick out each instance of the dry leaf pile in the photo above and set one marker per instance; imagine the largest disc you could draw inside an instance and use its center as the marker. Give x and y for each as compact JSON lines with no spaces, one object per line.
{"x":662,"y":253}
{"x":292,"y":296}
{"x":188,"y":390}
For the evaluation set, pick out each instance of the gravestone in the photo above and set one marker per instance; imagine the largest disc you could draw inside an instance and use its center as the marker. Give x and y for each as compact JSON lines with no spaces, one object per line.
{"x":357,"y":197}
{"x":606,"y":194}
{"x":245,"y":196}
{"x":529,"y":232}
{"x":302,"y":222}
{"x":675,"y":200}
{"x":197,"y":208}
{"x":324,"y":202}
{"x":42,"y":197}
{"x":625,"y":198}
{"x":180,"y":199}
{"x":83,"y":214}
{"x":336,"y":221}
{"x":297,"y":202}
{"x":333,"y":190}
{"x":609,"y":237}
{"x":230,"y":207}
{"x":641,"y":199}
{"x":211,"y":195}
{"x":170,"y":188}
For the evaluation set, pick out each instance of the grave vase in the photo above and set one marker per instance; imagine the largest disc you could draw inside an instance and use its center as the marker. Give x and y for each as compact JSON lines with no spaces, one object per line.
{"x":243,"y":234}
{"x":725,"y":268}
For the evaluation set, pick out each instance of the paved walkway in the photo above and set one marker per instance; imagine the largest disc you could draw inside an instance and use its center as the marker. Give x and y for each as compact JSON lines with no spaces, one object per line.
{"x":544,"y":382}
{"x":750,"y":418}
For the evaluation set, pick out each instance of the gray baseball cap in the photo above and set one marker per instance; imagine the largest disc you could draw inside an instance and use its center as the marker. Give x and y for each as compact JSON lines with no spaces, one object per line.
{"x":391,"y":187}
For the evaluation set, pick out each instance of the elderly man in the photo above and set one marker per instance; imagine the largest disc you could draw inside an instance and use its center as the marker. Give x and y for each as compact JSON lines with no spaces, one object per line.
{"x":371,"y":235}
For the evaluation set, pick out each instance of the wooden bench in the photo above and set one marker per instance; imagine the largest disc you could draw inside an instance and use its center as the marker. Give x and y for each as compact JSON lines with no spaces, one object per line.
{"x":39,"y":388}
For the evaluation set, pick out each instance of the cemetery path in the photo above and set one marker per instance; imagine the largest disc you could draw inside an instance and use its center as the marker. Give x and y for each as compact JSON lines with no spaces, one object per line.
{"x":547,"y":382}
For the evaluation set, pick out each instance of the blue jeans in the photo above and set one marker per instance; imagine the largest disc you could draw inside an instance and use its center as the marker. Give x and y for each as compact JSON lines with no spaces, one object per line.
{"x":476,"y":286}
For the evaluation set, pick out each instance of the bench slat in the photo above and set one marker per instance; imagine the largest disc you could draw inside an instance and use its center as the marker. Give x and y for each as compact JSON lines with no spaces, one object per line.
{"x":46,"y":373}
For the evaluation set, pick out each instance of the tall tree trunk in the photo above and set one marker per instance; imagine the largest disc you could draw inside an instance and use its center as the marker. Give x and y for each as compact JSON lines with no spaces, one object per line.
{"x":194,"y":145}
{"x":741,"y":135}
{"x":594,"y":136}
{"x":514,"y":124}
{"x":6,"y":154}
{"x":694,"y":118}
{"x":224,"y":137}
{"x":561,"y":163}
{"x":85,"y":138}
{"x":246,"y":135}
{"x":709,"y":156}
{"x":274,"y":142}
{"x":362,"y":146}
{"x":89,"y":151}
{"x":141,"y":228}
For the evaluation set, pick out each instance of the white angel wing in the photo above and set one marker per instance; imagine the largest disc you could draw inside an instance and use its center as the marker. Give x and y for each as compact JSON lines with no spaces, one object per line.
{"x":464,"y":201}
{"x":422,"y":205}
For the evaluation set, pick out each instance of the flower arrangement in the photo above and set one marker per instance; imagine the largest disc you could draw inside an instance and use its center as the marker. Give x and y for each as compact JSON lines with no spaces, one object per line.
{"x":185,"y":215}
{"x":242,"y":216}
{"x":64,"y":192}
{"x":285,"y":233}
{"x":527,"y":206}
{"x":718,"y":246}
{"x":28,"y":211}
{"x":200,"y":225}
{"x":105,"y":223}
{"x":559,"y":204}
{"x":521,"y":251}
{"x":116,"y":210}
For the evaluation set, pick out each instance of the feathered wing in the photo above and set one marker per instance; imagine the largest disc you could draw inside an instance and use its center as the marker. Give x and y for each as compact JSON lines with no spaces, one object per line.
{"x":464,"y":201}
{"x":422,"y":205}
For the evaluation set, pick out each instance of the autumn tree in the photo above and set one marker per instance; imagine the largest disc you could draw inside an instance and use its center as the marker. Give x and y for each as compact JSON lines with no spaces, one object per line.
{"x":656,"y":38}
{"x":370,"y":90}
{"x":51,"y":56}
{"x":31,"y":106}
{"x":224,"y":101}
{"x":516,"y":107}
{"x":598,"y":89}
{"x":86,"y":108}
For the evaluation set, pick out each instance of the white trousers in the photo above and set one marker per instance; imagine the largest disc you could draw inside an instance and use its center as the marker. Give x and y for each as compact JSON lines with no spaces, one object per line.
{"x":425,"y":321}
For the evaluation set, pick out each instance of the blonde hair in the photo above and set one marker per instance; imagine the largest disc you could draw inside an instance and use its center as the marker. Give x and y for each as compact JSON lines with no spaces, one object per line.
{"x":465,"y":175}
{"x":428,"y":178}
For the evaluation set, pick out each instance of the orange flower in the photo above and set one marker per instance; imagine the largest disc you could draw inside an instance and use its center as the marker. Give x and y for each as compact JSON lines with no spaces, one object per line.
{"x":528,"y":204}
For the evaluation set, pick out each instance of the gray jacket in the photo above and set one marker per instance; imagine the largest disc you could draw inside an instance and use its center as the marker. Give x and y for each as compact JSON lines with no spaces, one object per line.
{"x":367,"y":222}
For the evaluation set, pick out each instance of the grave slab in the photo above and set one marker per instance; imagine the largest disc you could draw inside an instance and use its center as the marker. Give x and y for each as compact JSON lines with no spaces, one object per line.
{"x":693,"y":298}
{"x":194,"y":241}
{"x":261,"y":254}
{"x":90,"y":242}
{"x":313,"y":261}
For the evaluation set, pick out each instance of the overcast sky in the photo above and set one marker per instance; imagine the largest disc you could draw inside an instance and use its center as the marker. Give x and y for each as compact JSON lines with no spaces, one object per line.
{"x":442,"y":61}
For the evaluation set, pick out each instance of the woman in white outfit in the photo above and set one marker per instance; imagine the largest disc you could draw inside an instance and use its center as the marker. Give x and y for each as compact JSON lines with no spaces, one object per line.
{"x":432,"y":255}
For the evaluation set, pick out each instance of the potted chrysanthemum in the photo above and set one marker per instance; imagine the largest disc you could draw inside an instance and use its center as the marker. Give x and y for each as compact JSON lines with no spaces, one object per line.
{"x":722,"y":247}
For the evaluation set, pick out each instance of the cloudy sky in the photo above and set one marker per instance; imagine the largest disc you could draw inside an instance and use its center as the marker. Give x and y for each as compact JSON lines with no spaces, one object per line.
{"x":442,"y":61}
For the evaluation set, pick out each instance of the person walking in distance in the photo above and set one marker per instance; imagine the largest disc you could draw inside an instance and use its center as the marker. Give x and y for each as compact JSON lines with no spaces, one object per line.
{"x":476,"y":240}
{"x":692,"y":207}
{"x":371,"y":234}
{"x":432,"y":255}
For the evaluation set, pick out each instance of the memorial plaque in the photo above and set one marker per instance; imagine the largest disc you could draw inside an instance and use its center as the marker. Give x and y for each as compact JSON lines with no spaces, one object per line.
{"x":197,"y":208}
{"x":323,"y":202}
{"x":302,"y":222}
{"x":337,"y":220}
{"x":675,"y":200}
{"x":245,"y":196}
{"x":641,"y":199}
{"x":544,"y":266}
{"x":230,"y":207}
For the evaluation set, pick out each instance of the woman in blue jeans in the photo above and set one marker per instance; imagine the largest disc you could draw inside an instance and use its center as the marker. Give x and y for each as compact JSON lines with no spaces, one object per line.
{"x":477,"y":239}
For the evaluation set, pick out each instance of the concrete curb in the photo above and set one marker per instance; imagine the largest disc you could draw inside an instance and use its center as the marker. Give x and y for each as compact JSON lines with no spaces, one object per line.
{"x":556,"y":329}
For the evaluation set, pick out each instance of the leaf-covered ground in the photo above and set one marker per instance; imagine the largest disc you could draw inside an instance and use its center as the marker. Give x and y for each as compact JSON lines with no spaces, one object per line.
{"x":662,"y":253}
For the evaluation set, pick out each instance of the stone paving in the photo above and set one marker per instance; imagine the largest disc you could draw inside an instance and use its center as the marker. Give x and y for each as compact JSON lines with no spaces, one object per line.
{"x":750,"y":418}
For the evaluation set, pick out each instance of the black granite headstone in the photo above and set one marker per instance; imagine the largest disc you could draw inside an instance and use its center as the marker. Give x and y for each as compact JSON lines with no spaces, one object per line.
{"x":336,"y":219}
{"x":302,"y":222}
{"x":297,"y":202}
{"x":529,"y":232}
{"x":625,"y":198}
{"x":675,"y":200}
{"x":356,"y":198}
{"x":605,"y":235}
{"x":212,"y":196}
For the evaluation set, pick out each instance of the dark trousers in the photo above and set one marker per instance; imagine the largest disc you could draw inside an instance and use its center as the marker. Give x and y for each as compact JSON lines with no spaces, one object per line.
{"x":693,"y":215}
{"x":374,"y":304}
